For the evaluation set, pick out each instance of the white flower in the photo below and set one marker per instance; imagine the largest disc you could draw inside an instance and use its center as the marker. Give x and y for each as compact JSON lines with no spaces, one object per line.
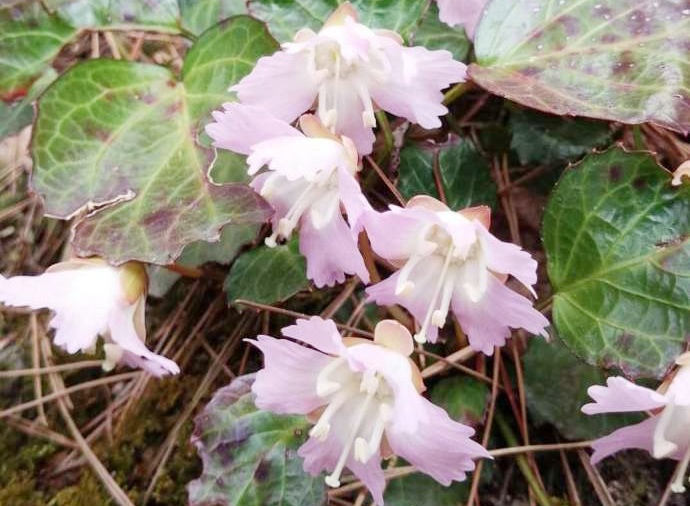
{"x":350,"y":70}
{"x":90,"y":297}
{"x":450,"y":261}
{"x":310,"y":181}
{"x":365,"y":398}
{"x":665,"y":434}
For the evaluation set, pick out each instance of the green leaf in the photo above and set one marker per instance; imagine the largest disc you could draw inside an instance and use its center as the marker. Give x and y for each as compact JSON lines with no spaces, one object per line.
{"x":421,"y":490}
{"x":119,"y":137}
{"x":616,"y":237}
{"x":159,"y":15}
{"x":464,"y":398}
{"x":286,"y":17}
{"x":556,"y":385}
{"x":15,"y":116}
{"x":267,"y":275}
{"x":622,"y":60}
{"x":220,"y":58}
{"x":29,"y":40}
{"x":543,"y":139}
{"x":250,"y":456}
{"x":464,"y":174}
{"x":200,"y":15}
{"x":434,"y":34}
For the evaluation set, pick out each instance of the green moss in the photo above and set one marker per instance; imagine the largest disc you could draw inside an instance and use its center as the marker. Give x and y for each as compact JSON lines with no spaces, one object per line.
{"x":145,"y":428}
{"x":87,"y":491}
{"x":19,"y":489}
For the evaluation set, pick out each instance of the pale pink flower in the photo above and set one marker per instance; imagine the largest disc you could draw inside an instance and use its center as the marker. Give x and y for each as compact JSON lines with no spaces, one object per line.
{"x":309,"y":177}
{"x":665,"y":434}
{"x":364,"y":397}
{"x":90,"y":297}
{"x":449,"y":260}
{"x":350,"y":70}
{"x":461,"y":12}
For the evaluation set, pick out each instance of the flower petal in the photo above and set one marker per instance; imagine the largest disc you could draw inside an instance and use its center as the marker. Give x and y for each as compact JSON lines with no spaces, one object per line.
{"x":318,"y":333}
{"x":331,"y":251}
{"x":679,"y":390}
{"x":416,"y":301}
{"x":640,"y":436}
{"x":298,"y":157}
{"x":397,"y":371}
{"x":123,"y":332}
{"x":349,"y":121}
{"x":440,"y":447}
{"x":507,"y":258}
{"x":487,"y":322}
{"x":281,"y":83}
{"x":322,"y":456}
{"x":621,"y":396}
{"x":461,"y":12}
{"x":394,"y":336}
{"x":239,"y":127}
{"x":353,"y":200}
{"x":394,"y":235}
{"x":81,"y":298}
{"x":413,"y":89}
{"x":287,"y":383}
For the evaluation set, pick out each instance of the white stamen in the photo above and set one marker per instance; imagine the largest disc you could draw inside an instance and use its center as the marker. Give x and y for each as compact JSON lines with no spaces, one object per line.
{"x":438,"y":318}
{"x":323,"y":427}
{"x":662,"y":447}
{"x":403,"y":285}
{"x":420,"y":336}
{"x":477,"y":265}
{"x":384,"y":417}
{"x":333,"y":479}
{"x":362,"y":452}
{"x":677,"y":485}
{"x":324,"y":385}
{"x":288,"y":222}
{"x":368,"y":117}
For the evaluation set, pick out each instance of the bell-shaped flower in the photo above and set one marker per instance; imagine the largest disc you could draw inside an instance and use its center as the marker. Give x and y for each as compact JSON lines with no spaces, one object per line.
{"x":449,"y":261}
{"x":346,"y":71}
{"x":364,"y":397}
{"x":91,"y":298}
{"x":665,"y":434}
{"x":461,"y":12}
{"x":310,"y":176}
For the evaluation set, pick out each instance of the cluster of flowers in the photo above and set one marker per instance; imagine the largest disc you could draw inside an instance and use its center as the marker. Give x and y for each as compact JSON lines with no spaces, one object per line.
{"x":364,"y":396}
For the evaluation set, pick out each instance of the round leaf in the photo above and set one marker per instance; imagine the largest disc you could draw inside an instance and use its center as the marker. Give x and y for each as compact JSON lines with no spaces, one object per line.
{"x":464,"y":174}
{"x":286,"y":17}
{"x":545,"y":139}
{"x":464,"y":398}
{"x":29,"y":40}
{"x":422,"y":490}
{"x":250,"y":456}
{"x":556,"y":385}
{"x":622,"y":60}
{"x":267,"y":275}
{"x":120,"y":137}
{"x":616,"y":236}
{"x":159,"y":15}
{"x":200,"y":15}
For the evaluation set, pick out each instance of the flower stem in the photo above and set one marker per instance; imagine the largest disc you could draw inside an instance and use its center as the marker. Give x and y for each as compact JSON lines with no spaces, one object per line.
{"x":388,"y":141}
{"x":456,"y":92}
{"x":522,"y":462}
